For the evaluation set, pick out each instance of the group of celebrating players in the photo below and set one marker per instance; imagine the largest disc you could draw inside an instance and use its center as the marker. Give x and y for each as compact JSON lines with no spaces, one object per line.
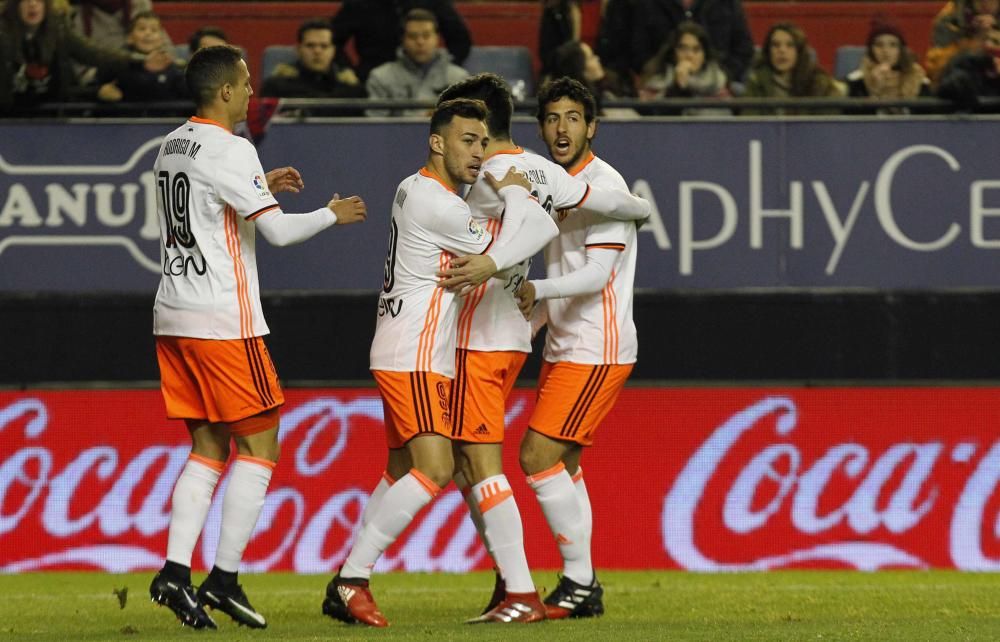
{"x":456,"y":317}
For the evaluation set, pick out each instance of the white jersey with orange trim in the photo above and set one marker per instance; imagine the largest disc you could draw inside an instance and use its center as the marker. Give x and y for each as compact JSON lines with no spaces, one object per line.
{"x":210,"y":186}
{"x":415,"y":329}
{"x":595,"y":328}
{"x":489,"y":319}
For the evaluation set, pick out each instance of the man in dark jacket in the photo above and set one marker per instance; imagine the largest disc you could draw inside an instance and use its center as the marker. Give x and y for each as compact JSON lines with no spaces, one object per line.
{"x":314,"y":74}
{"x":376,"y":28}
{"x":632,"y":31}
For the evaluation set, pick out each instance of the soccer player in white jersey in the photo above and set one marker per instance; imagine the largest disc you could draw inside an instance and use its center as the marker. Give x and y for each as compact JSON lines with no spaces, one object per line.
{"x":215,"y":371}
{"x":493,"y":343}
{"x":590,"y":345}
{"x":413,"y":352}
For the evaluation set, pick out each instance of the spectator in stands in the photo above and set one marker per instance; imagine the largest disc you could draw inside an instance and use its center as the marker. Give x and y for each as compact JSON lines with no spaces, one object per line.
{"x":37,"y":49}
{"x":972,"y":75}
{"x":137,"y":84}
{"x":685,"y":67}
{"x":560,"y":23}
{"x":108,"y":21}
{"x":632,"y":32}
{"x":421,"y":71}
{"x":576,"y":60}
{"x":962,"y":25}
{"x":888,"y":69}
{"x":786,"y":69}
{"x":207,"y":36}
{"x":314,"y":74}
{"x":374,"y":26}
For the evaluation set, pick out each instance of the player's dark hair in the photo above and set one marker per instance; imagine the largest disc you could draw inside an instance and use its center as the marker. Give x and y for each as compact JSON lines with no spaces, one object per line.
{"x":209,"y":69}
{"x":142,"y":15}
{"x":196,"y":37}
{"x":313,"y":24}
{"x":492,"y":90}
{"x":566,"y":87}
{"x":456,"y":108}
{"x":420,"y":15}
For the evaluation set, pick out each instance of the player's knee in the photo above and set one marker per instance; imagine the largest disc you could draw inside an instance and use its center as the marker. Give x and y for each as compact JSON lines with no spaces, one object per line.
{"x":532,"y":460}
{"x":264,"y":446}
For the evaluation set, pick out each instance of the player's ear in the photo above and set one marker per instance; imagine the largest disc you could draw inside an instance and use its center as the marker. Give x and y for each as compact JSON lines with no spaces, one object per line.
{"x":227,"y":92}
{"x":437,"y":143}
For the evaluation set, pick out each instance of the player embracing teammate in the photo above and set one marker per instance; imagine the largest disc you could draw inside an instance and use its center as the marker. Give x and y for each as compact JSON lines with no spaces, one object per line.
{"x":493,"y":338}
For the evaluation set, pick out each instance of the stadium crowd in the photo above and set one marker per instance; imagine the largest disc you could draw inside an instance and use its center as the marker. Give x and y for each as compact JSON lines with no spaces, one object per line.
{"x":117,"y":51}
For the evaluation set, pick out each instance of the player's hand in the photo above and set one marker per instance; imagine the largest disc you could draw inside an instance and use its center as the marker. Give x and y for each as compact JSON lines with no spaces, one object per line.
{"x":284,"y":179}
{"x":512,"y":177}
{"x":466,"y":273}
{"x":525,"y":296}
{"x":348,"y":210}
{"x":157,"y":61}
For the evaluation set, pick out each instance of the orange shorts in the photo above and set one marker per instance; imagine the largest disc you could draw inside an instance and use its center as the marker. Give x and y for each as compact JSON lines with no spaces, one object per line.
{"x":573,"y":399}
{"x":217,"y":380}
{"x":413,"y":403}
{"x":479,"y":393}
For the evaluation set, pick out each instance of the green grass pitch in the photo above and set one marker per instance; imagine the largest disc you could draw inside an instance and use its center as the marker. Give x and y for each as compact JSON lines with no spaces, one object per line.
{"x":641,"y":605}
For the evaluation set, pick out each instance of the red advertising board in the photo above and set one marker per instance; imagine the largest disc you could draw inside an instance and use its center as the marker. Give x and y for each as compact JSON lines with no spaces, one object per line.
{"x":692,"y":478}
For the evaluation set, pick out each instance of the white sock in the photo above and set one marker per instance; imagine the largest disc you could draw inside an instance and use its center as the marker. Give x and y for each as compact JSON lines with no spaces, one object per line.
{"x":561,"y":506}
{"x":474,"y":514}
{"x":400,"y":504}
{"x":588,"y":515}
{"x":373,"y":500}
{"x":504,"y":531}
{"x":240,"y":509}
{"x":189,"y":506}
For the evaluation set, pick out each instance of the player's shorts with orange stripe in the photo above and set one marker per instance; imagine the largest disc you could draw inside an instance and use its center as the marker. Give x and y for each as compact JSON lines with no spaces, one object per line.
{"x":574,"y":398}
{"x":413,"y":403}
{"x":218,"y":380}
{"x":483,"y":380}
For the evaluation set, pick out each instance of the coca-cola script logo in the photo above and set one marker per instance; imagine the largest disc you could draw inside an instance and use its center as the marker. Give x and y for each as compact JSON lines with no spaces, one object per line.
{"x":898,"y":490}
{"x":103,"y":493}
{"x":710,"y":479}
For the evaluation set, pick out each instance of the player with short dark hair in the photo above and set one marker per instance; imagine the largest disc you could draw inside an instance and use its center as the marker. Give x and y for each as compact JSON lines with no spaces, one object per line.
{"x":494,"y":341}
{"x":413,"y":352}
{"x":215,"y":372}
{"x":590,"y":346}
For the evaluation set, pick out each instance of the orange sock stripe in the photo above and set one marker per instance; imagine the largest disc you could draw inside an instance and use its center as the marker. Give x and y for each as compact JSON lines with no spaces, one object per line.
{"x":428,"y":485}
{"x":388,"y":478}
{"x":266,"y":463}
{"x":214,"y":464}
{"x":545,"y":474}
{"x":494,"y":500}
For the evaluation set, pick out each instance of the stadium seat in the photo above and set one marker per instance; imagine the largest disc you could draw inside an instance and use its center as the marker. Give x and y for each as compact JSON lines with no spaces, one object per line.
{"x":275,"y":55}
{"x":847,"y":59}
{"x":512,"y":63}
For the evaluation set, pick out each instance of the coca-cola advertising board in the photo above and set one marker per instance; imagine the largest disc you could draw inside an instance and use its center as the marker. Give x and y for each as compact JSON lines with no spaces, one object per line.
{"x":708,"y":479}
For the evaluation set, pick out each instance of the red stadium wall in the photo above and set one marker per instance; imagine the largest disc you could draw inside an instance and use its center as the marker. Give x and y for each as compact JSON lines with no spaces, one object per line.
{"x":254,"y":25}
{"x":696,"y":478}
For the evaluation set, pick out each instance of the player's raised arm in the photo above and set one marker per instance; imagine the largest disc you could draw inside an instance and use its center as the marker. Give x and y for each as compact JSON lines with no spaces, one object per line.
{"x":616,"y":204}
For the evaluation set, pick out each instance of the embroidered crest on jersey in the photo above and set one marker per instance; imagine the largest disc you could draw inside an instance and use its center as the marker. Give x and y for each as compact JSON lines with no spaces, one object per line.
{"x":476,"y":230}
{"x":260,"y":186}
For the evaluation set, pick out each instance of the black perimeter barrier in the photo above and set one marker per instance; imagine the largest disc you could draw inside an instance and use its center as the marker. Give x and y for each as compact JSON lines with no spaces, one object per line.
{"x":684,"y":338}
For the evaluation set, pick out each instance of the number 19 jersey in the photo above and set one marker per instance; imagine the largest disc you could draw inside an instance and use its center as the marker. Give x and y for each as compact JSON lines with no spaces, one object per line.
{"x":209,"y":188}
{"x":415,"y":328}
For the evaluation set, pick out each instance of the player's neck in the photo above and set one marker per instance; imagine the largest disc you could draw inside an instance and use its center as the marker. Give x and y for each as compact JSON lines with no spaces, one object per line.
{"x":217,"y":115}
{"x":497,"y":145}
{"x":435,"y":165}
